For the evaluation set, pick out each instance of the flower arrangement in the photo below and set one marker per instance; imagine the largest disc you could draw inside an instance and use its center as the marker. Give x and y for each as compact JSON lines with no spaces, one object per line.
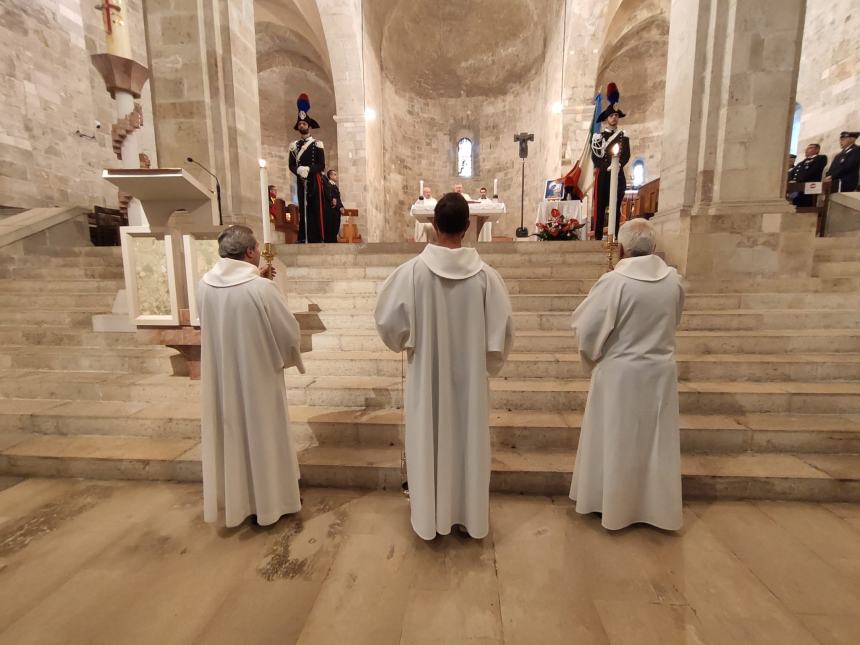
{"x":558,"y":228}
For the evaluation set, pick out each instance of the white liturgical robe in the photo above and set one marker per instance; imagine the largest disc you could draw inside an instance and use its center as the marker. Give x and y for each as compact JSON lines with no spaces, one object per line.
{"x":628,"y":464}
{"x":248,"y":338}
{"x":423,"y":230}
{"x":452,"y":315}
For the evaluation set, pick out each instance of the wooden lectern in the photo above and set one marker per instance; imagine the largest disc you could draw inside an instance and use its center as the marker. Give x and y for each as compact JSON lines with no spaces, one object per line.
{"x":178,"y":209}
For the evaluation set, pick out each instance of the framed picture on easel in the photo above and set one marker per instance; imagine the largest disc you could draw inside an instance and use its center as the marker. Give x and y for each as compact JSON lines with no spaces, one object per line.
{"x":554,"y":190}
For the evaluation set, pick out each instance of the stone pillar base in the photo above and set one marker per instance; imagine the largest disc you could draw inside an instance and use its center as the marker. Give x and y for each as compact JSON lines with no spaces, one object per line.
{"x":186,"y":340}
{"x":738,"y":239}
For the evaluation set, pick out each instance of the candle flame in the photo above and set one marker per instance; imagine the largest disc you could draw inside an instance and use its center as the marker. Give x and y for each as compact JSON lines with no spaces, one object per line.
{"x":616,"y":149}
{"x":262,"y":163}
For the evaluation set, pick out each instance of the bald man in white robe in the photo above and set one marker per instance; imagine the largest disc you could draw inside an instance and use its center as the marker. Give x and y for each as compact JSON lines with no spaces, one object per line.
{"x":628,"y":464}
{"x":451,"y":313}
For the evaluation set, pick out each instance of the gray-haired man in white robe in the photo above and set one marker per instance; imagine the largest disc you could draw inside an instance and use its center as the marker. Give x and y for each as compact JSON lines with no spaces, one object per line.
{"x":628,"y":465}
{"x":248,"y":338}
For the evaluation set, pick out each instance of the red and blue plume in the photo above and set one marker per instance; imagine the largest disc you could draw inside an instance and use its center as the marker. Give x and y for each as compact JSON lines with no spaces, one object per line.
{"x":303,"y":103}
{"x":612,"y":93}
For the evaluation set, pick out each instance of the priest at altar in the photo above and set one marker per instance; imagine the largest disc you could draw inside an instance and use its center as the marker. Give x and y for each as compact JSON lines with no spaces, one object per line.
{"x":424,"y":230}
{"x":628,"y":463}
{"x":451,"y":313}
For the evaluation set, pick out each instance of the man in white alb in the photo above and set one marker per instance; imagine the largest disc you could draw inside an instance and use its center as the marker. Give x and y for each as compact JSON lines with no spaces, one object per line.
{"x":424,"y":231}
{"x":248,"y":338}
{"x":458,"y":188}
{"x":451,"y":313}
{"x":628,"y":464}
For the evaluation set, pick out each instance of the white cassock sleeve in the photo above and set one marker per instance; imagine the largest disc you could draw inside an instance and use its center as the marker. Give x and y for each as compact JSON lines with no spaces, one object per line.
{"x":594,"y":319}
{"x":499,"y":321}
{"x":395,"y":310}
{"x":285,"y":327}
{"x":681,"y":299}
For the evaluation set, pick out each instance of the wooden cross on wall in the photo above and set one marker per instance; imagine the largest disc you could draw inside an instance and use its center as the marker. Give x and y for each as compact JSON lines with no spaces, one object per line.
{"x":106,"y":8}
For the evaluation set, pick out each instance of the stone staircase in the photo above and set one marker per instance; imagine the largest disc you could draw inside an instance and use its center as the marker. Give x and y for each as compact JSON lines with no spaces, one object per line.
{"x":769,"y":371}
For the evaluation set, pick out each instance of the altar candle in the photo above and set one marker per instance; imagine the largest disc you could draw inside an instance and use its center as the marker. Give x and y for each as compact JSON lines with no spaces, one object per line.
{"x":116,"y":27}
{"x":614,"y":166}
{"x":264,"y":194}
{"x":496,"y":187}
{"x":421,"y":189}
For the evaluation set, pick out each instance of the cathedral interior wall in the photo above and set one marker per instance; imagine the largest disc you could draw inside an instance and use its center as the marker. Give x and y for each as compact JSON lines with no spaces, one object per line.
{"x":48,"y":90}
{"x":828,"y":84}
{"x":423,"y":120}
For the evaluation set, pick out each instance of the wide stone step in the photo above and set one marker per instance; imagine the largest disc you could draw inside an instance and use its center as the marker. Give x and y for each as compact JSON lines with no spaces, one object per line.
{"x":84,"y":385}
{"x":70,"y":317}
{"x":48,"y":254}
{"x":849,"y":241}
{"x":521,"y":429}
{"x":59,"y":301}
{"x":848,"y":254}
{"x":688,"y":342}
{"x":704,"y":319}
{"x":836,"y":269}
{"x":45,"y":287}
{"x":58,"y":263}
{"x":567,"y":365}
{"x":355,"y":299}
{"x":521,"y":249}
{"x":797,"y":476}
{"x":61,"y":336}
{"x":777,"y":285}
{"x":495,"y":260}
{"x":43,"y":275}
{"x":371,"y":286}
{"x":696,"y":397}
{"x":140,"y":360}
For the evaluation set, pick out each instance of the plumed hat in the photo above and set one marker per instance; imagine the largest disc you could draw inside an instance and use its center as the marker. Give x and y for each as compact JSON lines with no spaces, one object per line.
{"x":304,"y":104}
{"x":612,"y":97}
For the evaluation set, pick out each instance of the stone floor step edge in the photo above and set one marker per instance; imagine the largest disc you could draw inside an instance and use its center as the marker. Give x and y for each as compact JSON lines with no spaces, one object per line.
{"x":379,"y":468}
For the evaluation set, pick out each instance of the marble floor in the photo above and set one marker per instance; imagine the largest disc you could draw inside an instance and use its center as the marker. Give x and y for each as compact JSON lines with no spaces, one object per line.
{"x":115,"y":563}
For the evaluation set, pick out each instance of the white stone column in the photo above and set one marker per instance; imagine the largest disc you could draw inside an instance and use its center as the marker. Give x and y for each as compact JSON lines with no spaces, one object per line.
{"x":356,"y":76}
{"x":352,"y":162}
{"x":205,"y":98}
{"x":730,"y":86}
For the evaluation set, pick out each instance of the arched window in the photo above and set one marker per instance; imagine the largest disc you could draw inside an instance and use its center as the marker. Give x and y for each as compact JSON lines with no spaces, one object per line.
{"x":795,"y":129}
{"x":464,"y":157}
{"x":638,"y":173}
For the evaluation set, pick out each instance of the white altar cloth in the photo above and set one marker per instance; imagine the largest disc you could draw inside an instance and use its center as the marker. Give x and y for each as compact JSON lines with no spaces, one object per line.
{"x":488,"y":209}
{"x":570,"y":209}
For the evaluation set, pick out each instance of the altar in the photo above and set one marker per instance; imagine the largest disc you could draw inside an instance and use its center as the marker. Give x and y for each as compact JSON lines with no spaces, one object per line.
{"x":570,"y":209}
{"x":482,"y":215}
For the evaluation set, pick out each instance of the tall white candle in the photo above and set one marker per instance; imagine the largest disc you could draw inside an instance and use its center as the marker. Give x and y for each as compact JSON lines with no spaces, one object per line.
{"x":614,"y":166}
{"x":117,"y":34}
{"x":496,"y":187}
{"x":421,"y":188}
{"x":264,"y":195}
